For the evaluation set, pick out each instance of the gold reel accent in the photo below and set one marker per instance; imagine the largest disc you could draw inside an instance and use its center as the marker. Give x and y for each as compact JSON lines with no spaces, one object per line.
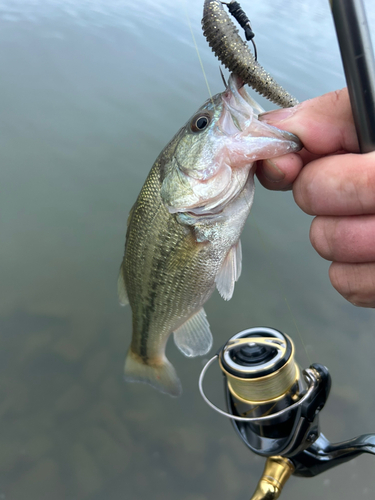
{"x":276,"y":473}
{"x":266,"y":388}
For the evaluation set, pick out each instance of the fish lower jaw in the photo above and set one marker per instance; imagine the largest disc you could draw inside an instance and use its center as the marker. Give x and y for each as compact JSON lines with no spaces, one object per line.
{"x":214,"y":212}
{"x":215,"y":205}
{"x":205,"y":206}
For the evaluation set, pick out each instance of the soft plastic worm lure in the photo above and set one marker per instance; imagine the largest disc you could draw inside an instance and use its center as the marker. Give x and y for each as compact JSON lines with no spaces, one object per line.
{"x":226,"y":43}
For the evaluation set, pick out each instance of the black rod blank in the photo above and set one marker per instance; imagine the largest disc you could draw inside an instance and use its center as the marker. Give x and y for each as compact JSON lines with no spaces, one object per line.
{"x":359,"y":67}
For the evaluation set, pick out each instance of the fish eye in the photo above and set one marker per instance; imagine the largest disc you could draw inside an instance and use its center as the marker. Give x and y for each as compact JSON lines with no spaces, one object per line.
{"x":200,"y":122}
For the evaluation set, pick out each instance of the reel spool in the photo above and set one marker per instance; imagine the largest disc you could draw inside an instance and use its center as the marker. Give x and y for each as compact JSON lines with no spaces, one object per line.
{"x":262,"y":375}
{"x":262,"y":378}
{"x":259,"y":364}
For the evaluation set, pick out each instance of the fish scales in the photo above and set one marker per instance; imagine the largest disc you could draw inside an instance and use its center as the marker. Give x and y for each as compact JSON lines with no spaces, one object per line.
{"x":183,"y":235}
{"x":161,"y":254}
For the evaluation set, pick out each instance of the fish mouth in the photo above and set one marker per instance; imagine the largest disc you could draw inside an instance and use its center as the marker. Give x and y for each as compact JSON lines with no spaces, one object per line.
{"x":235,"y":142}
{"x":238,"y":108}
{"x":240,"y":111}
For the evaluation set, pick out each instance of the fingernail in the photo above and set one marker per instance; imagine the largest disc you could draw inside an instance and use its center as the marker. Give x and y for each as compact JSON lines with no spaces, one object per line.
{"x":277,"y":116}
{"x":271,"y":172}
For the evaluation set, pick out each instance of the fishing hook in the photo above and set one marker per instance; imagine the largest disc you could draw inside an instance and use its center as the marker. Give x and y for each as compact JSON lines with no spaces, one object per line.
{"x":223,"y":77}
{"x":240,"y":16}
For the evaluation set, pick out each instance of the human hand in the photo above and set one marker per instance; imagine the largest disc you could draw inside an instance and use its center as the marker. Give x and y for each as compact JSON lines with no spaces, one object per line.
{"x":336,"y":184}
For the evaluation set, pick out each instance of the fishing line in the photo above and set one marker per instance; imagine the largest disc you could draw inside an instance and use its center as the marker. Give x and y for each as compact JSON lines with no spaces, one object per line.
{"x":278,"y":280}
{"x":198,"y":54}
{"x":280,"y":285}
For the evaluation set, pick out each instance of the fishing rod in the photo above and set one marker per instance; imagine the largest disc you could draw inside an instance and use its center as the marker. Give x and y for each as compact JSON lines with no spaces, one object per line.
{"x":358,"y":60}
{"x":274,"y":406}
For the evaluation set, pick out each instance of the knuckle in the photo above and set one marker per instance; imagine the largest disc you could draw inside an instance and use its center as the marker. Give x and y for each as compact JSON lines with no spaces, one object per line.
{"x":320,"y":238}
{"x":304,"y":190}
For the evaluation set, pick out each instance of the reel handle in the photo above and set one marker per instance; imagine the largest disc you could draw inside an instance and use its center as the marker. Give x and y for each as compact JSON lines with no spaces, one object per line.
{"x":319,"y":457}
{"x":322,"y":455}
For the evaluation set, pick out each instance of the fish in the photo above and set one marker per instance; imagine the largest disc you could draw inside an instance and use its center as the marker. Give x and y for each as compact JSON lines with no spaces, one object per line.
{"x":183,"y":232}
{"x":226,"y":43}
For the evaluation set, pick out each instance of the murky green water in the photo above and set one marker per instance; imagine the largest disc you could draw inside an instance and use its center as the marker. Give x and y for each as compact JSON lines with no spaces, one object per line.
{"x":90,"y":92}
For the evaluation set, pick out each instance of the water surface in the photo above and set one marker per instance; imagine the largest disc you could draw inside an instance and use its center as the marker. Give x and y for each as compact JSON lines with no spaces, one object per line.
{"x":90,"y":93}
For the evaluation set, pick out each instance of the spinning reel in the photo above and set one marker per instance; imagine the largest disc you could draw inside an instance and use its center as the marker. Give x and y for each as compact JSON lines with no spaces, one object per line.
{"x":274,"y":408}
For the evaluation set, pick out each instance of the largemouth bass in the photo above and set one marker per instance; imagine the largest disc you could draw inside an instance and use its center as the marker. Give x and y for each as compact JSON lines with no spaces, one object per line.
{"x":183,"y":235}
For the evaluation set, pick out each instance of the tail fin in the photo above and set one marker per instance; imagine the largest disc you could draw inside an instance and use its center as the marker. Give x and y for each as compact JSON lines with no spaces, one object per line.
{"x":161,"y":376}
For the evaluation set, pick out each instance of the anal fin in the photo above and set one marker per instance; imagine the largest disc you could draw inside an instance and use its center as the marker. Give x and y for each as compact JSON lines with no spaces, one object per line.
{"x":121,"y":290}
{"x":194,"y":337}
{"x":230,"y":271}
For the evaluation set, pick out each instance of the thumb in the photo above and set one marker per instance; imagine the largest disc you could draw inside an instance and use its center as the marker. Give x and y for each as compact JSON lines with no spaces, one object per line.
{"x":324,"y":124}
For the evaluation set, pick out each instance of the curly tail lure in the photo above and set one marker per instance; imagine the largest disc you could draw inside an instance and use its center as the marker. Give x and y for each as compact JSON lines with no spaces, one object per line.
{"x":226,"y":43}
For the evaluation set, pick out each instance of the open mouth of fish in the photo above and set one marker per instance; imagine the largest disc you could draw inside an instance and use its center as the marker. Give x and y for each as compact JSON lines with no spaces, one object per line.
{"x":240,"y":111}
{"x":227,"y":153}
{"x":236,"y":116}
{"x":243,"y":135}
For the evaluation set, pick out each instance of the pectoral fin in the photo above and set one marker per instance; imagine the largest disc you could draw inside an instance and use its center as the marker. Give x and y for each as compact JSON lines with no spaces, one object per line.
{"x":194,"y":337}
{"x":230,"y":271}
{"x":121,"y":290}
